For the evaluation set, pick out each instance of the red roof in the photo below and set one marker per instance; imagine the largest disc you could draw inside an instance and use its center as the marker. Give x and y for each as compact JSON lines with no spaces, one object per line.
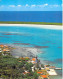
{"x":5,"y":50}
{"x":1,"y":45}
{"x":33,"y":59}
{"x":5,"y":46}
{"x":39,"y":72}
{"x":44,"y":76}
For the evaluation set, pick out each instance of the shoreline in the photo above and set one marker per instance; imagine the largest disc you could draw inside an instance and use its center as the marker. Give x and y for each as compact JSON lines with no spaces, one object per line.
{"x":51,"y":73}
{"x":24,"y":51}
{"x":30,"y":52}
{"x":53,"y":27}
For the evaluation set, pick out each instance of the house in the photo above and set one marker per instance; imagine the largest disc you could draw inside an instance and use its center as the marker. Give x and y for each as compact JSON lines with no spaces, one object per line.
{"x":47,"y":67}
{"x":6,"y":46}
{"x":33,"y":61}
{"x":6,"y":50}
{"x":1,"y":46}
{"x":43,"y":77}
{"x":52,"y":67}
{"x":33,"y":69}
{"x":26,"y":72}
{"x":40,"y":73}
{"x":52,"y":72}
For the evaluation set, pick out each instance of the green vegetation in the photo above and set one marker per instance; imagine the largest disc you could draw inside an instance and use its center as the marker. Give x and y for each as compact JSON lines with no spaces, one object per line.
{"x":20,"y":68}
{"x":39,"y":23}
{"x":14,"y":68}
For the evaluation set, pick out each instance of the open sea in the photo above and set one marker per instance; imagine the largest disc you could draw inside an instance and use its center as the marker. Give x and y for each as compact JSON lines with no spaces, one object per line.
{"x":32,"y":16}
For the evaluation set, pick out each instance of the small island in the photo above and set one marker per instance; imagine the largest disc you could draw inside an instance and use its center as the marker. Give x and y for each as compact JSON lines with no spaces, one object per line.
{"x":38,"y":23}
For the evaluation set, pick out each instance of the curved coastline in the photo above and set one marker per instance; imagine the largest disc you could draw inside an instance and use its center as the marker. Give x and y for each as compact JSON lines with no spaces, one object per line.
{"x":53,"y":27}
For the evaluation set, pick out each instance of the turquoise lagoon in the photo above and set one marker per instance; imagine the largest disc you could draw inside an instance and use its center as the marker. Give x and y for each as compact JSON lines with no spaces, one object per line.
{"x":47,"y":40}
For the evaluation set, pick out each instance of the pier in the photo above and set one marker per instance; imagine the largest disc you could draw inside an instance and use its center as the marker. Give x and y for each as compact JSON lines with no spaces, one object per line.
{"x":58,"y":68}
{"x":52,"y":72}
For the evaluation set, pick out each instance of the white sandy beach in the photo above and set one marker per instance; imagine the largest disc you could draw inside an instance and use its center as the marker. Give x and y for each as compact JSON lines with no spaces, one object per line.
{"x":54,"y":27}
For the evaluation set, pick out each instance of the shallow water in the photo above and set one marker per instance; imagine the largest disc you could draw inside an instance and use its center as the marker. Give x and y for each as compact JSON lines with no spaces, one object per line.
{"x":49,"y":41}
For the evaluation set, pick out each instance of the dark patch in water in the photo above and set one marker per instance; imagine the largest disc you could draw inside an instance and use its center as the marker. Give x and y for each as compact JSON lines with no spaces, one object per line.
{"x":58,"y":60}
{"x":41,"y":46}
{"x":45,"y":42}
{"x":49,"y":62}
{"x":11,"y":34}
{"x":8,"y":34}
{"x":22,"y":43}
{"x":1,"y":36}
{"x":5,"y":36}
{"x":16,"y":34}
{"x":16,"y":41}
{"x":60,"y":47}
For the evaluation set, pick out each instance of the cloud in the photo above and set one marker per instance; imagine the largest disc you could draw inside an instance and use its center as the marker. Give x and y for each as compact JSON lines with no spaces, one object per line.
{"x":26,"y":5}
{"x":11,"y":5}
{"x":19,"y":5}
{"x":44,"y":5}
{"x":54,"y":6}
{"x":33,"y":5}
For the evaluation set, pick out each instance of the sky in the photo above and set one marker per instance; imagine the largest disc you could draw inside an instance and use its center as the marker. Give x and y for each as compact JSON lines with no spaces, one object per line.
{"x":31,"y":5}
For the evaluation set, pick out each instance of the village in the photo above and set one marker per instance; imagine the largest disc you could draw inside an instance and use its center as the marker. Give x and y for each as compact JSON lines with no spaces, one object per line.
{"x":26,"y":65}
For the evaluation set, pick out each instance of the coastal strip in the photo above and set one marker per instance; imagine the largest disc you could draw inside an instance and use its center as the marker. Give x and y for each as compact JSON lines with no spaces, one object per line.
{"x":53,"y":27}
{"x":26,"y":65}
{"x":20,"y":22}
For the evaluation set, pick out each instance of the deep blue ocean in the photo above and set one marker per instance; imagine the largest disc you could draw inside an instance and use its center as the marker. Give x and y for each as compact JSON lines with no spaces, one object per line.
{"x":32,"y":16}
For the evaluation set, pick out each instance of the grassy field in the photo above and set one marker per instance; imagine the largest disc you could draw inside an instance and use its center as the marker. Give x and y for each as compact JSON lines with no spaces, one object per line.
{"x":39,"y":23}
